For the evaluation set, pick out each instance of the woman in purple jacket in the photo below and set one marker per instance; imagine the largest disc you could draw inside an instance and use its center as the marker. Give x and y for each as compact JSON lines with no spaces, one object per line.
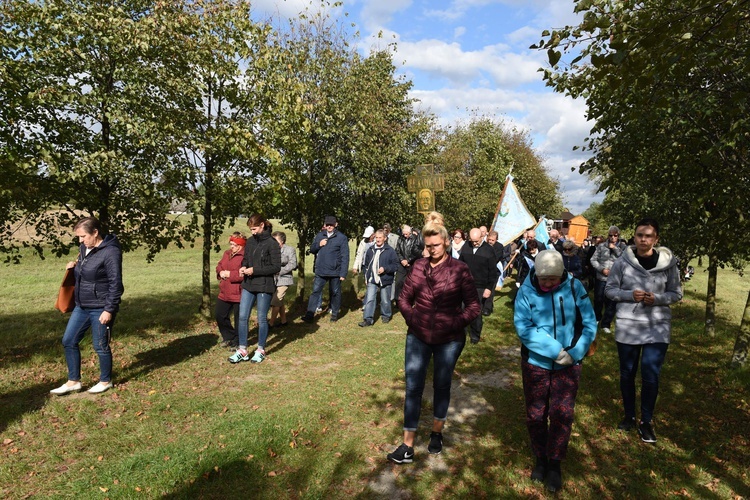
{"x":438,"y":300}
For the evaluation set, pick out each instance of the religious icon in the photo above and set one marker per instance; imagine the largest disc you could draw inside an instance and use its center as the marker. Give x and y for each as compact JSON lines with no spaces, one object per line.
{"x":425,"y":200}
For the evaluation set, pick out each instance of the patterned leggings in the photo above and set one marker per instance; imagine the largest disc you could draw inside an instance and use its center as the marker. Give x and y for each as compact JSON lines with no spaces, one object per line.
{"x":550,"y":401}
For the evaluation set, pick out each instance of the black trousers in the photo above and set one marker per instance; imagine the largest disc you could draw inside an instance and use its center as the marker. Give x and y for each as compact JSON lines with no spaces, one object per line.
{"x":223,"y":314}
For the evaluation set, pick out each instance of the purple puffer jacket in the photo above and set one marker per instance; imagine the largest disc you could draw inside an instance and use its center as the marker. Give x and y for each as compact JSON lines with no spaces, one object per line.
{"x":432,"y":297}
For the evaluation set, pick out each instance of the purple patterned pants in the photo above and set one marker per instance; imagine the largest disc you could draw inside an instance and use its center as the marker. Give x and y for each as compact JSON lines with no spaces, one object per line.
{"x":550,"y":401}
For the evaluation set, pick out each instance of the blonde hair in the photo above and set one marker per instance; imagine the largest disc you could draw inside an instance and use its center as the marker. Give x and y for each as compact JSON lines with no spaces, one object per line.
{"x":434,"y":218}
{"x":432,"y":229}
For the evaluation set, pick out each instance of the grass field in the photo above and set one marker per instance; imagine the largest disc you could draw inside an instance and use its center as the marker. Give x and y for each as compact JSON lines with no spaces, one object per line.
{"x":316,"y":419}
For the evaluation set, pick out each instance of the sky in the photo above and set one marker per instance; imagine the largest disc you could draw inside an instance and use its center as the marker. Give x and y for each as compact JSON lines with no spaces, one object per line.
{"x":472,"y":57}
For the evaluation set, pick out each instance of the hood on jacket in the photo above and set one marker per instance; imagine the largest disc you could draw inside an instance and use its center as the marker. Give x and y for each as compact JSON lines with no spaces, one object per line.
{"x":665,"y":261}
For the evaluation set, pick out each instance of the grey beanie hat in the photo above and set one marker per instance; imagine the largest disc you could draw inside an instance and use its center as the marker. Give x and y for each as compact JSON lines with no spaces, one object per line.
{"x":549,"y":263}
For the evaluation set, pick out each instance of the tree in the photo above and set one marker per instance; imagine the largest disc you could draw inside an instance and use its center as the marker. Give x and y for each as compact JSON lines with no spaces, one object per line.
{"x":222,"y":155}
{"x":475,"y":159}
{"x":344,"y":129}
{"x":87,"y":96}
{"x":666,"y":83}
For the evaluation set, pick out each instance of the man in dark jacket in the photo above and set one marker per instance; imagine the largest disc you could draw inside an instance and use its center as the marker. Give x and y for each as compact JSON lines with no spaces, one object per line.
{"x":480,"y":258}
{"x":379,"y":267}
{"x":499,"y":251}
{"x":331,"y":250}
{"x":408,"y":249}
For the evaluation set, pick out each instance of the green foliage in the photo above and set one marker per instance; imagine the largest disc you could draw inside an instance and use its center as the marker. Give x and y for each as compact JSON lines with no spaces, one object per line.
{"x":87,"y":96}
{"x":475,"y":159}
{"x":344,"y":129}
{"x":667,"y":85}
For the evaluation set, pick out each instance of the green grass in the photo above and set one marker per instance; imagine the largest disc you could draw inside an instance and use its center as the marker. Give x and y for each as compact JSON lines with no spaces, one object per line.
{"x":316,"y":419}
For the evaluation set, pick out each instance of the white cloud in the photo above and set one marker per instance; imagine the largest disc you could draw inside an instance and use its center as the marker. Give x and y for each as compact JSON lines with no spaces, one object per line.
{"x":448,"y":60}
{"x":379,"y":12}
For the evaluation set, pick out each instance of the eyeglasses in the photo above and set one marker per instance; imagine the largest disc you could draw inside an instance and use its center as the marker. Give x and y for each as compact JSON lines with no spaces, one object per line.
{"x":456,"y":236}
{"x":614,"y":234}
{"x":329,"y":225}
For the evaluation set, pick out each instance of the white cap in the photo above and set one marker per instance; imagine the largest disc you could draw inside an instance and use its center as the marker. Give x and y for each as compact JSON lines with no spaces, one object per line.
{"x":368,"y":232}
{"x":549,"y":263}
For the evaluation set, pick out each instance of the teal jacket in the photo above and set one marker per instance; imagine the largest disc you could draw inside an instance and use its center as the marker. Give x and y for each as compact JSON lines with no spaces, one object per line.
{"x":545,"y":321}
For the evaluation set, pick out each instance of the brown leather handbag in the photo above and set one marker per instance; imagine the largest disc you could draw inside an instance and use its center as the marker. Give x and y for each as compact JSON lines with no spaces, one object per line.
{"x":65,"y":302}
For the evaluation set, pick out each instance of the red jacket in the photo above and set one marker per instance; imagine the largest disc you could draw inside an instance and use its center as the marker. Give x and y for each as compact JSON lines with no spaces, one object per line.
{"x":431,"y":300}
{"x":229,"y":289}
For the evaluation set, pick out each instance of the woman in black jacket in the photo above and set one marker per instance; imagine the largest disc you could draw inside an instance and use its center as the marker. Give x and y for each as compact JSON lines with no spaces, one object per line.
{"x":260,"y":264}
{"x":98,"y":289}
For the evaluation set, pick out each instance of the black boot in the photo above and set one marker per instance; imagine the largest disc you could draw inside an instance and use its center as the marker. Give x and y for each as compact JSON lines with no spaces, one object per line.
{"x":539,"y":470}
{"x":554,"y":476}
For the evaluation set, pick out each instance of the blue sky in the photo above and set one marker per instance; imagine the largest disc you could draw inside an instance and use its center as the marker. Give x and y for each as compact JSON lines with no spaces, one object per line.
{"x":469,"y":57}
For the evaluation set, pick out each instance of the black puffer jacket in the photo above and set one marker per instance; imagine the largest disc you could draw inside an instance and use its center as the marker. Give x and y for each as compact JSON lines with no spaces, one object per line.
{"x":263,"y":254}
{"x":99,"y":276}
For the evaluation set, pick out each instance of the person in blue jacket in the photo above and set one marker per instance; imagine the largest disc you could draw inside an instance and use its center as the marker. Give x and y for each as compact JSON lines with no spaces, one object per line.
{"x":98,"y":291}
{"x":555,"y":322}
{"x":380,"y":265}
{"x":331,"y":250}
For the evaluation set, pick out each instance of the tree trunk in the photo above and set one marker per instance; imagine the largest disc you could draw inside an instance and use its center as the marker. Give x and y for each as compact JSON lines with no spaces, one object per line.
{"x":710,"y":328}
{"x":205,"y":307}
{"x":301,"y":248}
{"x":742,"y":344}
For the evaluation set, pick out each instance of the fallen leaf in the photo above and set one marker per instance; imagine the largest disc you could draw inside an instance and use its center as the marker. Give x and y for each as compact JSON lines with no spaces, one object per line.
{"x":7,"y":441}
{"x":104,"y":490}
{"x":272,"y":474}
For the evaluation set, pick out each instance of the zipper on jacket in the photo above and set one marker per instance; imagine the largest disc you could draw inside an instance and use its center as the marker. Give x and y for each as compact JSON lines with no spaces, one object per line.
{"x":562,"y":310}
{"x":554,"y":316}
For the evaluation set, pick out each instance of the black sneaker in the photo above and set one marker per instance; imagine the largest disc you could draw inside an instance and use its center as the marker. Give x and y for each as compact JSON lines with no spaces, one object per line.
{"x":539,"y":471}
{"x":385,"y":320}
{"x":308,"y":318}
{"x":646,"y":432}
{"x":334,"y":319}
{"x":365,"y":323}
{"x":436,"y":443}
{"x":402,"y":455}
{"x":627,"y":424}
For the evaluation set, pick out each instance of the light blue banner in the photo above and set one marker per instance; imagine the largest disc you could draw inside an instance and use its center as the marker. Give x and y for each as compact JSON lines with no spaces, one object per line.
{"x":512,"y":216}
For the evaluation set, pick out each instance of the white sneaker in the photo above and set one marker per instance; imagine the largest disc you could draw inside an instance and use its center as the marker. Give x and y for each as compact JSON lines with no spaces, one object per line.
{"x":100,"y":387}
{"x":65,"y":388}
{"x":607,"y":330}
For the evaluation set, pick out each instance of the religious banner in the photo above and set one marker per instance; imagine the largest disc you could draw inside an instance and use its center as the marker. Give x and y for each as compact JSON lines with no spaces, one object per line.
{"x":542,"y":235}
{"x":424,"y":183}
{"x":512,"y":217}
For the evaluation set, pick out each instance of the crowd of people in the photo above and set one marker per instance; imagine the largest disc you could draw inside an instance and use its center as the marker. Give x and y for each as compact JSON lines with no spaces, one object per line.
{"x":443,"y":283}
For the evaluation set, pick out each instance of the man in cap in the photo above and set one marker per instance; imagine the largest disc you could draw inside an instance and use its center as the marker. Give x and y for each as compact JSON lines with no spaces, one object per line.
{"x":331,"y":250}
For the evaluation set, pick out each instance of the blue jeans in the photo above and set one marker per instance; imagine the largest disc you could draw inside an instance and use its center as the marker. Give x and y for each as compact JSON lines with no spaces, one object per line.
{"x":334,"y":290}
{"x":385,"y":301}
{"x":416,"y":360}
{"x":652,"y":358}
{"x":80,"y":321}
{"x":247,"y":300}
